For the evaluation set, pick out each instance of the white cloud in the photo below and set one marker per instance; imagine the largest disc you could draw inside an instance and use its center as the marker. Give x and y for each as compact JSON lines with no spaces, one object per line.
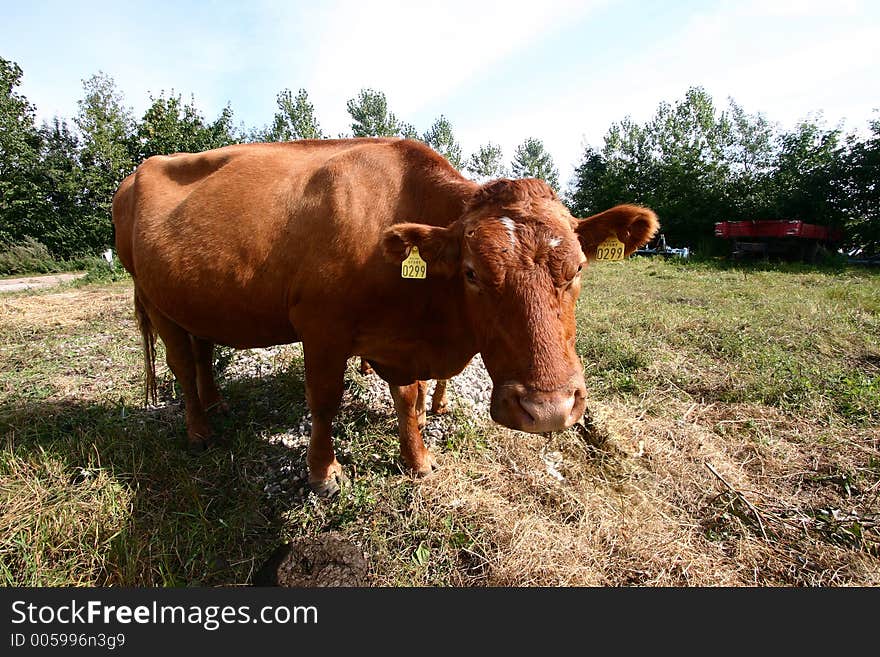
{"x":416,"y":52}
{"x":799,"y":58}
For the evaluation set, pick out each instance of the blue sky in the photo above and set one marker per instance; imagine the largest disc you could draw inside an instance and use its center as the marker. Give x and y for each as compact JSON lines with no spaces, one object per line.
{"x":559,"y":70}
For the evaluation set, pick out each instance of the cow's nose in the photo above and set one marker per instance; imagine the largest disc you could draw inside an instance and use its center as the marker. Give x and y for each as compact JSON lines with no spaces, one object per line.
{"x":520,"y":407}
{"x":549,"y":411}
{"x":552,"y":411}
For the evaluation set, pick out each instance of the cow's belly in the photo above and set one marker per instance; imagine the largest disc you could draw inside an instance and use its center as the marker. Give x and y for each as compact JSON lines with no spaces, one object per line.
{"x":405,"y":359}
{"x":240,"y":317}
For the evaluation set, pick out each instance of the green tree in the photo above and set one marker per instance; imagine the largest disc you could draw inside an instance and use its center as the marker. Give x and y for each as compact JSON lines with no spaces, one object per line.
{"x":675,"y":163}
{"x":295,"y":118}
{"x":749,"y":153}
{"x":631,"y":166}
{"x":22,"y":202}
{"x":590,"y":189}
{"x":530,"y":160}
{"x":370,"y":115}
{"x":687,"y":141}
{"x":170,"y":126}
{"x":221,"y":132}
{"x":63,"y":232}
{"x":407,"y":130}
{"x":439,"y":137}
{"x":809,"y":175}
{"x":863,"y":165}
{"x":107,"y":128}
{"x":486,"y":163}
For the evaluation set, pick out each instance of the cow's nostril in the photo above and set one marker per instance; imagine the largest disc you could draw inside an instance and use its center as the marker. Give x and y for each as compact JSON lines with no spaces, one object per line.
{"x":524,"y":407}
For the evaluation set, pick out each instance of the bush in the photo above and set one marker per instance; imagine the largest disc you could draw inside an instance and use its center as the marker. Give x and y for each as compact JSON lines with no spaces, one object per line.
{"x":100,"y":271}
{"x":27,"y":257}
{"x":31,"y":256}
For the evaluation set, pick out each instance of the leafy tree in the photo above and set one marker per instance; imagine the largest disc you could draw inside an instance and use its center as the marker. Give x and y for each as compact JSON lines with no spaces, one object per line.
{"x":370,"y":115}
{"x":530,"y":160}
{"x":408,"y":130}
{"x":486,"y":163}
{"x":809,"y":177}
{"x":295,"y":118}
{"x":439,"y":137}
{"x":631,"y":166}
{"x":589,"y":190}
{"x":863,"y":166}
{"x":695,"y":165}
{"x":749,"y":153}
{"x":63,"y":230}
{"x":107,"y":127}
{"x":676,"y":163}
{"x":690,"y":137}
{"x":170,"y":126}
{"x":221,"y":132}
{"x":22,"y":204}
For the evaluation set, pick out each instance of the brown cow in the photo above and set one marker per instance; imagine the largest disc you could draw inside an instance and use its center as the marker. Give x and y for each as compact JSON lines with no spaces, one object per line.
{"x":262,"y":244}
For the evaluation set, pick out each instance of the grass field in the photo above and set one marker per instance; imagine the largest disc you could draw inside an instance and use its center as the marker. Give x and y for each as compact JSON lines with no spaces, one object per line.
{"x":733,"y":441}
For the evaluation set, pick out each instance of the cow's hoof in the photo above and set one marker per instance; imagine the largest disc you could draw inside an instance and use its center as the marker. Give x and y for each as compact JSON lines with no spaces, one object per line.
{"x":196,"y":447}
{"x":426,"y":467}
{"x":330,"y":486}
{"x":440,"y":409}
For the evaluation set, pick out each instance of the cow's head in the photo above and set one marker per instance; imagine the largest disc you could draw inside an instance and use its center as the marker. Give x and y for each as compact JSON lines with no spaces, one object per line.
{"x":518,"y":255}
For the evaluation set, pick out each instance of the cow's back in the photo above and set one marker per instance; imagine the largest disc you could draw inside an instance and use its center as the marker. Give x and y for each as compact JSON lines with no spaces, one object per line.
{"x":230,"y":243}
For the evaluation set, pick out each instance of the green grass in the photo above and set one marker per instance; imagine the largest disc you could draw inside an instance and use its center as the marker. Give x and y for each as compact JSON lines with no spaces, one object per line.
{"x":801,"y":340}
{"x":97,"y":490}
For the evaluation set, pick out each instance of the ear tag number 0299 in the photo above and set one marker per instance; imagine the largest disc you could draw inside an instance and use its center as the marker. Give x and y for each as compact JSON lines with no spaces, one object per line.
{"x":611,"y":250}
{"x":414,"y":266}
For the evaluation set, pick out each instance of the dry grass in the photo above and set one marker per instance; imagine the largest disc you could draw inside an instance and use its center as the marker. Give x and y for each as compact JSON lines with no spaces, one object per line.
{"x":642,"y":507}
{"x":62,"y":522}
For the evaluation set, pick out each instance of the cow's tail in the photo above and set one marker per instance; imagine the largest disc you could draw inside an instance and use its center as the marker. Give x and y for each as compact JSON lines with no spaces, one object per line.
{"x":148,"y":336}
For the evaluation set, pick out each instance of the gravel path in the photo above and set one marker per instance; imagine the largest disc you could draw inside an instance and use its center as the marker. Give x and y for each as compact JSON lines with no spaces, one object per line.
{"x":35,"y":282}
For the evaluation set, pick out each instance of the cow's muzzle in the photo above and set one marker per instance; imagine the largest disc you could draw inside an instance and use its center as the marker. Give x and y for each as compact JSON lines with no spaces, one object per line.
{"x":521,"y":407}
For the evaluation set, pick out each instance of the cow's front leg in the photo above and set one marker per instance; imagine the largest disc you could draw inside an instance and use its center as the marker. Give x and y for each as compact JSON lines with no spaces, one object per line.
{"x":412,"y":448}
{"x":325,"y":371}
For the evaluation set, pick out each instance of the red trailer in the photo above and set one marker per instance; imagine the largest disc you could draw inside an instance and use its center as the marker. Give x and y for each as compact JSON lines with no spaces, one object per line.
{"x":787,"y":238}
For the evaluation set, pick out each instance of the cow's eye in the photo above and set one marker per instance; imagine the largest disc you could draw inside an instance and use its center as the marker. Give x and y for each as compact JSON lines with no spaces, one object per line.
{"x":470,"y":275}
{"x":576,"y":276}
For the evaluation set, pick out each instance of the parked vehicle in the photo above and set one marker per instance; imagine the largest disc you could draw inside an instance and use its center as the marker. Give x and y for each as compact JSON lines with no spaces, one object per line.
{"x":658,"y":247}
{"x":790,"y":239}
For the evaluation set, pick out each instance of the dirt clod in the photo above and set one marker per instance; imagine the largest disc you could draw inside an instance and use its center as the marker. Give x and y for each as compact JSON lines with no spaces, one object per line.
{"x":312,"y":561}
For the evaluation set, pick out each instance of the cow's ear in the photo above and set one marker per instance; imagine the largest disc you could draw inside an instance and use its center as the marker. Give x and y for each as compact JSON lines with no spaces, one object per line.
{"x":631,"y":224}
{"x":439,"y":247}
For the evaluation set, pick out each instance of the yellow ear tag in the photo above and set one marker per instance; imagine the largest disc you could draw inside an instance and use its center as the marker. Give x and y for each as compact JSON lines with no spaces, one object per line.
{"x":414,"y":266}
{"x":611,"y":250}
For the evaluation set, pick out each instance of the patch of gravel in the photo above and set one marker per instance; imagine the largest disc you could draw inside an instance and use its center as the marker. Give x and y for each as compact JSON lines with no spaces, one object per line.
{"x":469,"y":391}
